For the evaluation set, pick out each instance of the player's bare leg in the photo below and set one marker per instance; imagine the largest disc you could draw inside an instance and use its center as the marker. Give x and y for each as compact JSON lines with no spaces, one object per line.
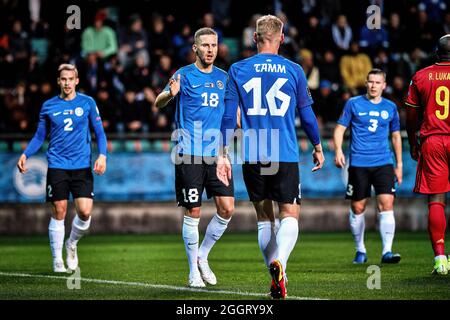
{"x":215,"y":229}
{"x":385,"y":204}
{"x":56,"y":231}
{"x":191,"y":238}
{"x":436,"y":229}
{"x":357,"y":227}
{"x":80,"y":226}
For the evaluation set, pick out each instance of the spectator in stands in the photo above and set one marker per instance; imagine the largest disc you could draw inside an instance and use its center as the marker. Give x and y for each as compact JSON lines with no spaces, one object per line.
{"x":134,"y":113}
{"x":371,"y":40}
{"x":182,"y":43}
{"x":315,"y":36}
{"x":99,"y":39}
{"x":159,"y":39}
{"x":329,"y":69}
{"x":342,"y":34}
{"x":248,"y":44}
{"x":354,"y":67}
{"x":133,"y":41}
{"x":19,"y":46}
{"x":162,"y":73}
{"x":311,"y":71}
{"x":138,"y":73}
{"x":325,"y":105}
{"x":209,"y":22}
{"x":108,"y":109}
{"x":16,"y":103}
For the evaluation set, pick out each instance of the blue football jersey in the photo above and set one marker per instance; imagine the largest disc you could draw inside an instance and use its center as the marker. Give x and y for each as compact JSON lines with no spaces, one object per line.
{"x":67,"y":124}
{"x":199,"y":110}
{"x":268,"y":89}
{"x":371,"y":125}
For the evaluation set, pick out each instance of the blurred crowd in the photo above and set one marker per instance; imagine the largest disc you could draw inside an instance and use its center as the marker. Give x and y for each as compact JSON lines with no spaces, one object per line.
{"x":125,"y":56}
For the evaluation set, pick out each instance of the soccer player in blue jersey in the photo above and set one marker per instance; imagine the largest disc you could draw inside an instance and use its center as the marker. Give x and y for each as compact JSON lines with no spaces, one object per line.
{"x":199,"y":90}
{"x":372,"y":118}
{"x":66,"y":120}
{"x":269,"y":89}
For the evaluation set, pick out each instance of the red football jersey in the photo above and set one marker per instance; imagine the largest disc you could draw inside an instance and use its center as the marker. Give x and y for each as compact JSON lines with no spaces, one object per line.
{"x":430,"y":89}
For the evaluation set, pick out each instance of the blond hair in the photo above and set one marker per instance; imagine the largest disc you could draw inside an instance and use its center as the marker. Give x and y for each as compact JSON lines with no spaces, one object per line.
{"x":268,"y":27}
{"x":68,"y":67}
{"x":203,"y":32}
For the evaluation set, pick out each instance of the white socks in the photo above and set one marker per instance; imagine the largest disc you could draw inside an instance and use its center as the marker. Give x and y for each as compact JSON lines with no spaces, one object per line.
{"x":286,"y":239}
{"x":214,"y":231}
{"x":79,"y":228}
{"x":56,"y":232}
{"x":357,"y":226}
{"x":190,"y":237}
{"x":387,"y":229}
{"x":267,"y":241}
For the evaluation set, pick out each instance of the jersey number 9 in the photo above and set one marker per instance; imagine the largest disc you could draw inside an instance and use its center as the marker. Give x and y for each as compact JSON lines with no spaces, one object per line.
{"x":442,"y":102}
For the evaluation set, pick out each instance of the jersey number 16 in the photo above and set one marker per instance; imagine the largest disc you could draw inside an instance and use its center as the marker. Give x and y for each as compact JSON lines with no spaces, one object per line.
{"x":254,"y":84}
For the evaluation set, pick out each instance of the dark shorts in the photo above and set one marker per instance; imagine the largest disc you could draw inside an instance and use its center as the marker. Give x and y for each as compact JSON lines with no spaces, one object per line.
{"x":282,"y":186}
{"x":360,"y":180}
{"x":61,"y":182}
{"x":191,"y":178}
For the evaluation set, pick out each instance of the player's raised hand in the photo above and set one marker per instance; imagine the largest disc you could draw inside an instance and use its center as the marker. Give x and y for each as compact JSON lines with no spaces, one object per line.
{"x":21,"y":163}
{"x":174,"y":85}
{"x":318,"y":159}
{"x":223,"y":170}
{"x":100,"y":165}
{"x":339,"y":159}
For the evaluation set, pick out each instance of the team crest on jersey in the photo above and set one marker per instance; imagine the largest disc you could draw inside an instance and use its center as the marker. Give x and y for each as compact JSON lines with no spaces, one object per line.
{"x":219,"y":84}
{"x":79,"y":111}
{"x":384,"y":114}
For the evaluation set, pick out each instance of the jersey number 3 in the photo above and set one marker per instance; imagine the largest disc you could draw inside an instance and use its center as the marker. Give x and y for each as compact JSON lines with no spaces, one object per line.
{"x":254,"y":84}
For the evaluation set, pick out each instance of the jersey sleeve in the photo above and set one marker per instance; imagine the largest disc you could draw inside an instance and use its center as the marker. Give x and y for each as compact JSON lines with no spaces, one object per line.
{"x":304,"y":98}
{"x":96,"y":123}
{"x":412,"y":100}
{"x":395,"y":123}
{"x":231,"y":104}
{"x":346,"y":116}
{"x":40,"y":135}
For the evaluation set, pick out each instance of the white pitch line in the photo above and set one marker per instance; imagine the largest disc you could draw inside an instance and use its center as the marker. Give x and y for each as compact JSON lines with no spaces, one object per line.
{"x":149,"y":285}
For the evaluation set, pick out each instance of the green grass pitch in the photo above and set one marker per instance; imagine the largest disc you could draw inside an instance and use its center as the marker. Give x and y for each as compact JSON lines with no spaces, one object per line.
{"x":155,"y":267}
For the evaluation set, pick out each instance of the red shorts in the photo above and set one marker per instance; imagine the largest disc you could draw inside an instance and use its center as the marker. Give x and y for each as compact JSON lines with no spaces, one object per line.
{"x":432,"y":175}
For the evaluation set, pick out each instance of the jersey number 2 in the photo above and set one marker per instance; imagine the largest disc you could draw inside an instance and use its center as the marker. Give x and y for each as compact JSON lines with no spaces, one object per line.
{"x":68,"y":126}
